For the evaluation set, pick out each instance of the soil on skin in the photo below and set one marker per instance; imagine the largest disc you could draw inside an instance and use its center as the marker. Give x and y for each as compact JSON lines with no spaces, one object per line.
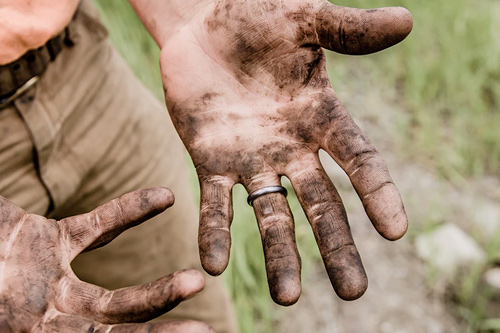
{"x":399,"y":298}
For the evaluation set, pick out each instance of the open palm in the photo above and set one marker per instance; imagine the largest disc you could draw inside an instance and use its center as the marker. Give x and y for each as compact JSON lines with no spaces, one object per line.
{"x":40,"y":293}
{"x":247,"y":89}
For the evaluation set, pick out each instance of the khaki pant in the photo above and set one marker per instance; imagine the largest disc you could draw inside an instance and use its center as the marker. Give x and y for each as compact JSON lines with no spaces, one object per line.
{"x":88,"y":132}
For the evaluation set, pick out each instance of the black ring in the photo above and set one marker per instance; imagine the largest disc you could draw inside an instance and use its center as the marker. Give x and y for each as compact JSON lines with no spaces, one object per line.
{"x":265,"y":190}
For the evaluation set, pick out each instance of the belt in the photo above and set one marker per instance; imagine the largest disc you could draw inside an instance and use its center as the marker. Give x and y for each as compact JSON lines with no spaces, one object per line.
{"x":17,"y":76}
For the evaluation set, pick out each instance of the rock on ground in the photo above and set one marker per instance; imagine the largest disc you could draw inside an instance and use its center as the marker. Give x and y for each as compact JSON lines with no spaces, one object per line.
{"x":448,"y":249}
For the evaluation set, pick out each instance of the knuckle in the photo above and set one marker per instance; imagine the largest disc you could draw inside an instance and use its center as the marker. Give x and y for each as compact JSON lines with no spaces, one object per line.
{"x":321,"y":209}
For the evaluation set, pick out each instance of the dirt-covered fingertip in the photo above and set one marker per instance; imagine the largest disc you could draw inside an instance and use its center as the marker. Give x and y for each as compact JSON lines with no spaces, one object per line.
{"x":160,"y":197}
{"x":346,"y":272}
{"x":145,"y":203}
{"x":386,"y":211}
{"x":354,"y":290}
{"x":380,"y":28}
{"x":399,"y":24}
{"x":214,"y":251}
{"x":199,"y":327}
{"x":357,"y":31}
{"x":214,"y":266}
{"x":397,"y":229}
{"x":286,"y":292}
{"x":351,"y":284}
{"x":405,"y":20}
{"x":190,"y":282}
{"x":185,"y":326}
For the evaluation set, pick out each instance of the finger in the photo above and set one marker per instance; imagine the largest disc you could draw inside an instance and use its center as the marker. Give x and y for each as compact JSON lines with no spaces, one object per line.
{"x":280,"y":250}
{"x":359,"y":158}
{"x":361,"y":31}
{"x":131,"y":304}
{"x":10,"y":212}
{"x":326,"y":214}
{"x":57,"y":322}
{"x":11,"y":216}
{"x":103,"y":224}
{"x":176,"y":326}
{"x":216,"y":214}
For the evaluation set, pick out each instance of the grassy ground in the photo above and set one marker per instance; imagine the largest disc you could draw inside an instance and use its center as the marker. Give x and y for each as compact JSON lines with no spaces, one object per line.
{"x":447,"y":73}
{"x":446,"y":76}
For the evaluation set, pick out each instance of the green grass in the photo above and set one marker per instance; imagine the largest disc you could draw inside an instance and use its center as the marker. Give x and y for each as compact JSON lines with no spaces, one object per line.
{"x":133,"y":42}
{"x":447,"y":73}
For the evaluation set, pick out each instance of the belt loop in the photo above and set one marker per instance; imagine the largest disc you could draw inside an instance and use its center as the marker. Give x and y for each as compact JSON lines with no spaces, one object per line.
{"x":70,"y":36}
{"x":54,"y":46}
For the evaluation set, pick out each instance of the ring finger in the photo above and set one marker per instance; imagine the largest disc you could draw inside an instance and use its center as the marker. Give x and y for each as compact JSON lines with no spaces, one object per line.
{"x":277,"y":230}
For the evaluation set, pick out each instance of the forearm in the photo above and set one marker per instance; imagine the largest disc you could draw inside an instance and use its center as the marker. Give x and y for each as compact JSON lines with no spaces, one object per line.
{"x":163,"y":17}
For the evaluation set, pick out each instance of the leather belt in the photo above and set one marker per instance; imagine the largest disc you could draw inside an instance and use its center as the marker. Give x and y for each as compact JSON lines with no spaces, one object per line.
{"x":17,"y":74}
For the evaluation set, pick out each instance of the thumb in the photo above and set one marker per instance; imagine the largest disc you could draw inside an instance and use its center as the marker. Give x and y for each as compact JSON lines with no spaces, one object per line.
{"x":361,"y":31}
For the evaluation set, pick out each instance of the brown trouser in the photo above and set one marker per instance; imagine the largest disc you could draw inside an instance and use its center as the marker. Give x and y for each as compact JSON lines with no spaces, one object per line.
{"x":88,"y":132}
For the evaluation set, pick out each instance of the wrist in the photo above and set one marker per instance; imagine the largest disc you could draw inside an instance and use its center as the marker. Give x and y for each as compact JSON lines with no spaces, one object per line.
{"x":163,"y":18}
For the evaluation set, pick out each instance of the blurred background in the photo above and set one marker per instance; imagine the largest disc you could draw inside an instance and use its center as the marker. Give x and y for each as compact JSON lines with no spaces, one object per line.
{"x":431,"y":106}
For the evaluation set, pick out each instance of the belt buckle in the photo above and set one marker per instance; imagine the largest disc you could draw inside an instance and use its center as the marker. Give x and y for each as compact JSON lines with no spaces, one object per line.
{"x":7,"y":100}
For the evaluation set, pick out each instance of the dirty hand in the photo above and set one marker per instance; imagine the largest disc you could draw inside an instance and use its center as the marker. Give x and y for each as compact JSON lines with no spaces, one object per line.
{"x":40,"y":293}
{"x":247,"y":89}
